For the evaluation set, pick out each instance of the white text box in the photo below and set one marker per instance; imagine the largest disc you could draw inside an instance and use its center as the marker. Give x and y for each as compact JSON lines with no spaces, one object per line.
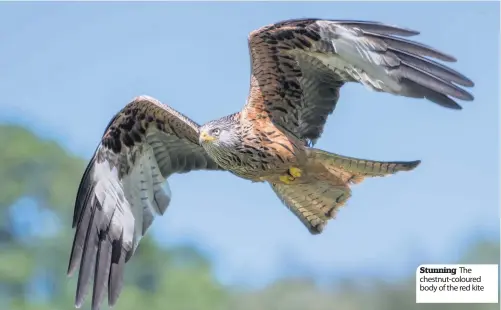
{"x":457,"y":283}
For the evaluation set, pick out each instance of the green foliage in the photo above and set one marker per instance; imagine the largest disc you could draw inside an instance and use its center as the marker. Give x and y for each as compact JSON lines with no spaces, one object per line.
{"x":33,"y":167}
{"x":179,"y":278}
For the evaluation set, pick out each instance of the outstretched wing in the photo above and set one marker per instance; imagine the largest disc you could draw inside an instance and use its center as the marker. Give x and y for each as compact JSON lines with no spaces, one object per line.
{"x":298,"y":67}
{"x":121,"y":190}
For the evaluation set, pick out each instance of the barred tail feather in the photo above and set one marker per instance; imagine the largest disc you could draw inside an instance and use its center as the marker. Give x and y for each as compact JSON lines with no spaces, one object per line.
{"x":354,"y":170}
{"x":312,"y":203}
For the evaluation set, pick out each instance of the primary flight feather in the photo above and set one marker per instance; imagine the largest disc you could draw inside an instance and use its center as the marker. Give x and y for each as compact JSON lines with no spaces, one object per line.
{"x":298,"y":67}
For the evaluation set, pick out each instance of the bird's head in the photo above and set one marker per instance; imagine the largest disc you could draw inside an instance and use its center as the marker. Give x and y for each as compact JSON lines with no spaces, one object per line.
{"x":221,"y":133}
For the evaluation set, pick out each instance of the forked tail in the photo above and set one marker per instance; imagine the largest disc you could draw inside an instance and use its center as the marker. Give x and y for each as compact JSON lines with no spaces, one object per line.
{"x":318,"y":200}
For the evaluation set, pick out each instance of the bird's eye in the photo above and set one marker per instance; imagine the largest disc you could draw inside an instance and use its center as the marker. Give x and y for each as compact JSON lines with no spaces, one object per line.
{"x":216,"y":131}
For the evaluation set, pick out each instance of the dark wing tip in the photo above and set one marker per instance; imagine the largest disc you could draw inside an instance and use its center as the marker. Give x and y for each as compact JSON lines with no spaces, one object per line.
{"x":82,"y":218}
{"x":412,"y":164}
{"x":102,"y":271}
{"x":115,"y":280}
{"x":103,"y":257}
{"x":83,"y":192}
{"x":468,"y":82}
{"x":431,"y":86}
{"x":465,"y":81}
{"x":456,"y":107}
{"x":409,"y":46}
{"x":89,"y":254}
{"x":447,"y":57}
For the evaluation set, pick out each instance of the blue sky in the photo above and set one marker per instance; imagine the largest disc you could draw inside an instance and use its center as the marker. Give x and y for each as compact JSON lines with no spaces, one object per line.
{"x":66,"y":68}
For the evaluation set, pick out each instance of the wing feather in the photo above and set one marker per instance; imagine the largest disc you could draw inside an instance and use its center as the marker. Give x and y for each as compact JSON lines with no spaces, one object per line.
{"x":122,"y":191}
{"x":298,"y":67}
{"x":103,"y":266}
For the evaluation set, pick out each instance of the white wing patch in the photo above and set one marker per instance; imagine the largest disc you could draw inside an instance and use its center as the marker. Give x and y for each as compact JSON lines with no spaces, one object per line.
{"x":355,"y":57}
{"x":144,"y":192}
{"x":145,"y":197}
{"x":110,"y":194}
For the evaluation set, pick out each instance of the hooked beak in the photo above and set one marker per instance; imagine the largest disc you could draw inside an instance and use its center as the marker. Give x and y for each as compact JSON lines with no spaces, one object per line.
{"x":204,"y":137}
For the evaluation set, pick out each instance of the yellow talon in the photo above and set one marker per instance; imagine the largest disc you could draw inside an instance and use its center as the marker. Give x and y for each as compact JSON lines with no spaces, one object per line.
{"x":295,"y":172}
{"x":287,"y":179}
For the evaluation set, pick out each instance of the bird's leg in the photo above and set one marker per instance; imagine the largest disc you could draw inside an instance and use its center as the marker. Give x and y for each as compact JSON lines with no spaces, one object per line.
{"x":291,"y":175}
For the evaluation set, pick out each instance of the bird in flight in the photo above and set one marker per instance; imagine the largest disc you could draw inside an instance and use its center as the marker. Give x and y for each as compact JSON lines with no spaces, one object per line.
{"x":298,"y":67}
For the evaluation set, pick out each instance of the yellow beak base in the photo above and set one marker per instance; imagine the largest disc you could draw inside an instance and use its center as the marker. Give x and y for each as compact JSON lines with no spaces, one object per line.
{"x":206,"y":138}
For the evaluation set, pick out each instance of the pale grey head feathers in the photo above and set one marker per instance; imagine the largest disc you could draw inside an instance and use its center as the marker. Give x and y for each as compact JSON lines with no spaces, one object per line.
{"x":220,"y":133}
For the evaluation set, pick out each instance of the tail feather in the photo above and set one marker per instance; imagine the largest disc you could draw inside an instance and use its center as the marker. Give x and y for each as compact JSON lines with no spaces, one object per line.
{"x":314,"y":204}
{"x":326,"y":188}
{"x":354,"y":170}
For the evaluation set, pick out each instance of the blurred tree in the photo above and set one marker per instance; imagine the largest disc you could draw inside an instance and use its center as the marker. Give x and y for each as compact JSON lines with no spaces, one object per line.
{"x":38,"y":183}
